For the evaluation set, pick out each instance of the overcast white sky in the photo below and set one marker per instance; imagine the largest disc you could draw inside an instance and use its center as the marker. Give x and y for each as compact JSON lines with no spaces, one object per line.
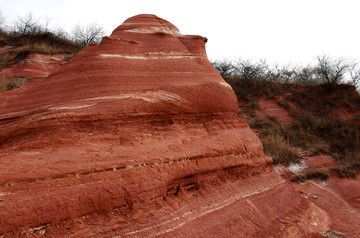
{"x":281,"y":31}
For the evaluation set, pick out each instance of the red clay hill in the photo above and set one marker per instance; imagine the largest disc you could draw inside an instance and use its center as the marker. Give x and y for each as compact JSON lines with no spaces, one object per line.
{"x":139,"y":137}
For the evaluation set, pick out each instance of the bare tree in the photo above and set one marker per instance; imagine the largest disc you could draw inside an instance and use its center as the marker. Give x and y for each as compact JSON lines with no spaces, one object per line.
{"x":26,"y":24}
{"x":273,"y":72}
{"x":331,"y":71}
{"x":2,"y":19}
{"x":47,"y":21}
{"x":248,"y":70}
{"x":224,"y":67}
{"x":92,"y":33}
{"x":60,"y":32}
{"x":305,"y":75}
{"x":355,"y":76}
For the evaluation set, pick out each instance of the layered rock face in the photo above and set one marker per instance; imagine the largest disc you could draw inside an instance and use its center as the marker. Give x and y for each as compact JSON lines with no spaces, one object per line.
{"x":36,"y":65}
{"x":139,"y":137}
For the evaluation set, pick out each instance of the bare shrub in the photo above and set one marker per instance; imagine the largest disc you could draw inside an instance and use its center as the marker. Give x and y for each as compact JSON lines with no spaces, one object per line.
{"x":61,"y":33}
{"x":311,"y":175}
{"x":344,"y":172}
{"x":355,"y":76}
{"x":224,"y":67}
{"x":47,"y":21}
{"x":305,"y":75}
{"x":247,"y":70}
{"x":287,"y":73}
{"x":2,"y":20}
{"x":330,"y":71}
{"x":26,"y":25}
{"x":92,"y":33}
{"x":327,"y":71}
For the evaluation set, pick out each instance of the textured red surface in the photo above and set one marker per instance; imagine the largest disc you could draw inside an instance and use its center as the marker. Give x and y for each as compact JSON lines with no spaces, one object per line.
{"x":139,"y":137}
{"x":268,"y":107}
{"x":36,"y":65}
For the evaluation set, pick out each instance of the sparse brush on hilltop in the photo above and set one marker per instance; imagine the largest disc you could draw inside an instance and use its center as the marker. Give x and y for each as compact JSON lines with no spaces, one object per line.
{"x":23,"y":45}
{"x":28,"y":34}
{"x":39,"y":42}
{"x":317,"y":92}
{"x":326,"y":71}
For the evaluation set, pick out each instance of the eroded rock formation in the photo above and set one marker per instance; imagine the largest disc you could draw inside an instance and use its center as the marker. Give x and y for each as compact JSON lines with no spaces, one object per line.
{"x":139,"y":137}
{"x":36,"y":65}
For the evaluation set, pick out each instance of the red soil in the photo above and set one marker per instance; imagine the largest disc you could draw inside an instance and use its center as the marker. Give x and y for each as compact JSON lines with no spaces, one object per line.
{"x":4,"y":49}
{"x":320,"y":162}
{"x":270,"y":108}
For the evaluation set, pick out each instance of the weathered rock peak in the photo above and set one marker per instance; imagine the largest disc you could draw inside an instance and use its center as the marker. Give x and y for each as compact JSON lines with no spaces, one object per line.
{"x":145,"y":23}
{"x":142,"y":61}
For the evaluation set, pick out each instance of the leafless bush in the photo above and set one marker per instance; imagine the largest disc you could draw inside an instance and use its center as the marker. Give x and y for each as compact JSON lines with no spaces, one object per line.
{"x":60,"y":32}
{"x":47,"y":21}
{"x":224,"y":67}
{"x":248,"y":70}
{"x":92,"y":33}
{"x":2,"y":20}
{"x":305,"y":75}
{"x":272,"y":72}
{"x":26,"y":25}
{"x":330,"y":71}
{"x":327,"y":70}
{"x":287,"y":73}
{"x":355,"y":76}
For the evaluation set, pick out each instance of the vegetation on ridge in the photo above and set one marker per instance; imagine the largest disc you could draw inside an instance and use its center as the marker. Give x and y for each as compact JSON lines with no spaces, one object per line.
{"x":27,"y":35}
{"x":317,"y":92}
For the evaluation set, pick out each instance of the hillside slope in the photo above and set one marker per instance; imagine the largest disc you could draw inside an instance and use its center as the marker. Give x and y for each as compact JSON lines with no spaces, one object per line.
{"x":140,"y":137}
{"x":312,"y":133}
{"x":23,"y":57}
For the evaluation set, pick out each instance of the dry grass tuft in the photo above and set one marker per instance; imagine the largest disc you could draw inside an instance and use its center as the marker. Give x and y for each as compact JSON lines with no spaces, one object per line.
{"x":9,"y":83}
{"x":310,"y":175}
{"x":280,"y":150}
